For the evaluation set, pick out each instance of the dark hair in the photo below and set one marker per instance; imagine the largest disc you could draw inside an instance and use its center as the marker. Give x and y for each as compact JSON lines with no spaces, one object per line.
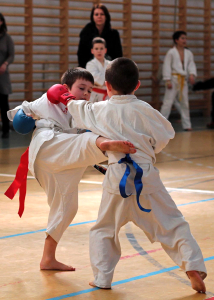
{"x":98,"y":40}
{"x":123,"y":75}
{"x":106,"y":12}
{"x":177,"y":34}
{"x":3,"y":28}
{"x":71,"y":75}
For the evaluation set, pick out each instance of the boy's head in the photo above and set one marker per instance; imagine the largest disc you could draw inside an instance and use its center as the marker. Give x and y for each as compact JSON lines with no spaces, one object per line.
{"x":99,"y":48}
{"x":79,"y":83}
{"x":179,"y":38}
{"x":123,"y":76}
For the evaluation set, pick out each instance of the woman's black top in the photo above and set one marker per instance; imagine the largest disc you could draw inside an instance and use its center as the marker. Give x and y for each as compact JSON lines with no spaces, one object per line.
{"x":111,"y":36}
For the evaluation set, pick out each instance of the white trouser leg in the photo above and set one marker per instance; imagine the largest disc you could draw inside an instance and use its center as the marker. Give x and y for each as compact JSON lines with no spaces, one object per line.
{"x":59,"y":166}
{"x":105,"y":249}
{"x":69,"y":151}
{"x":62,"y":193}
{"x":166,"y":224}
{"x":185,"y":116}
{"x":168,"y":100}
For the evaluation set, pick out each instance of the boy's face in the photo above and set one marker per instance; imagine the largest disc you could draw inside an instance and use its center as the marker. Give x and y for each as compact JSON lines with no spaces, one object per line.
{"x":99,"y":51}
{"x":81,"y":89}
{"x":182,"y":41}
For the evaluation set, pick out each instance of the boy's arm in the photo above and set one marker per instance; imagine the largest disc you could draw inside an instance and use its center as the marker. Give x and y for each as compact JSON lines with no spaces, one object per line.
{"x":167,"y":69}
{"x":204,"y":85}
{"x":191,"y":66}
{"x":99,"y":77}
{"x":161,"y":131}
{"x":83,"y":114}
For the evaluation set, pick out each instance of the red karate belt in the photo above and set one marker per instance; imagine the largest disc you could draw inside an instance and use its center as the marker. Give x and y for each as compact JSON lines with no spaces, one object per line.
{"x":20,"y":182}
{"x":100,"y":91}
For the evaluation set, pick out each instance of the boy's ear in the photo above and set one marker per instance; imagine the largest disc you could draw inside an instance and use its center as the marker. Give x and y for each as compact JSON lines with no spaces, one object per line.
{"x":105,"y":50}
{"x":138,"y":85}
{"x":108,"y":85}
{"x":92,"y":50}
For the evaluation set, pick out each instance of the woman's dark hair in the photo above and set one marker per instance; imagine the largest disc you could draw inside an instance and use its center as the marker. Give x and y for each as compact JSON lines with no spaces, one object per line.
{"x":106,"y":12}
{"x":177,"y":34}
{"x":3,"y":27}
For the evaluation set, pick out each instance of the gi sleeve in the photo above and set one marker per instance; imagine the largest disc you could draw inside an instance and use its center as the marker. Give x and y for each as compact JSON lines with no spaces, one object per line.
{"x":191,"y":66}
{"x":161,"y":131}
{"x":99,"y":77}
{"x":167,"y":66}
{"x":82,"y":113}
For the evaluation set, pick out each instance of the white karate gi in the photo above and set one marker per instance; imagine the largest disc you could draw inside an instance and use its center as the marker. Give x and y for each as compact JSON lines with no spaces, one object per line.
{"x":58,"y":157}
{"x":172,"y":70}
{"x":98,"y":70}
{"x":127,"y":118}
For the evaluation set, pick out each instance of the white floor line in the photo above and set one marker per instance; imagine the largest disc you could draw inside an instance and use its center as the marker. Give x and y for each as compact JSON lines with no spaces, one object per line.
{"x":189,"y":190}
{"x":99,"y":182}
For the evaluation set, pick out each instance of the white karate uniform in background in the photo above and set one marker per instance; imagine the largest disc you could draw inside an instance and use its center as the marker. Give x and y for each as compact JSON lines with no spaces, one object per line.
{"x":127,"y":118}
{"x":172,"y":68}
{"x":58,"y":157}
{"x":98,"y":70}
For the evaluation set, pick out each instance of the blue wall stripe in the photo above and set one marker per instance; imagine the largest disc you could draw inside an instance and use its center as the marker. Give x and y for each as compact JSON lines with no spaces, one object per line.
{"x":87,"y":222}
{"x":123,"y":281}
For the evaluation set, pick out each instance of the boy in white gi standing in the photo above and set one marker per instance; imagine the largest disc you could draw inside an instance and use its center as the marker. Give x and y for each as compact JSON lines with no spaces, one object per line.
{"x":97,"y":67}
{"x":58,"y":156}
{"x":178,"y":67}
{"x":123,"y":116}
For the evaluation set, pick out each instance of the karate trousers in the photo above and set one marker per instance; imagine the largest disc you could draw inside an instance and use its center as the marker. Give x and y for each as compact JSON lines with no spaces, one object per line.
{"x":59,"y":166}
{"x":164,"y":224}
{"x":170,"y":98}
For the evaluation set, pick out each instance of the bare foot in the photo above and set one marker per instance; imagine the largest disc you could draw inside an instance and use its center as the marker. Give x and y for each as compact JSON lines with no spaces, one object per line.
{"x":54,"y":265}
{"x":118,"y":146}
{"x":94,"y":285}
{"x":196,"y":281}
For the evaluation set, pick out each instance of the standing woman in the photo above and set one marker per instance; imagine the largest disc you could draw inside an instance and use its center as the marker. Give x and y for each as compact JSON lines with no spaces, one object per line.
{"x":6,"y":58}
{"x":99,"y":26}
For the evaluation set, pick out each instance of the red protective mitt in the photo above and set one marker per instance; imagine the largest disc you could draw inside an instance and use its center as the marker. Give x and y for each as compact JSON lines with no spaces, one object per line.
{"x":58,"y":93}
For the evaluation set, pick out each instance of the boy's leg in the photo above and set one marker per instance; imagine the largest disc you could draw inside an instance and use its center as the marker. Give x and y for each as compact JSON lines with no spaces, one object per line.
{"x":166,"y":224}
{"x":104,"y":243}
{"x":62,"y":192}
{"x":168,"y":100}
{"x":185,"y":116}
{"x":69,"y":151}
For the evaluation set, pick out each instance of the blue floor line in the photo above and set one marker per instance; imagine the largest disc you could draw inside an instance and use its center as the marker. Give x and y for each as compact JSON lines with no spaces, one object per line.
{"x":87,"y":222}
{"x":41,"y":230}
{"x":122,"y":281}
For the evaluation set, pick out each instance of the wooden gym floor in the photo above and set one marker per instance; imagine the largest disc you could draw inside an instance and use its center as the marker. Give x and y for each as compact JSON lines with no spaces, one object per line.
{"x":144,"y":272}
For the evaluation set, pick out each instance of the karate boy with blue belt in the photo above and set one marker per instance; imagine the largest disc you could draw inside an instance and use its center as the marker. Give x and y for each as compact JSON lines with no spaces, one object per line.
{"x":125,"y":117}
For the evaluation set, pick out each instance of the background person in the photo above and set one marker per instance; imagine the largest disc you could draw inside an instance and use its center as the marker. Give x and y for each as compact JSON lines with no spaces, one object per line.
{"x":97,"y":67}
{"x":6,"y":58}
{"x":178,"y":66}
{"x":100,"y":25}
{"x":207,"y":85}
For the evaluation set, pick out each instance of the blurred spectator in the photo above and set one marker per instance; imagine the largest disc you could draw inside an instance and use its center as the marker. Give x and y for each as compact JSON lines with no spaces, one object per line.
{"x":100,"y":26}
{"x":6,"y":58}
{"x":207,"y":85}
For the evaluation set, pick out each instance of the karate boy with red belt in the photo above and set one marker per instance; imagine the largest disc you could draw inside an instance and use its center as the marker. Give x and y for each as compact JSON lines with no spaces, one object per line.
{"x":58,"y":156}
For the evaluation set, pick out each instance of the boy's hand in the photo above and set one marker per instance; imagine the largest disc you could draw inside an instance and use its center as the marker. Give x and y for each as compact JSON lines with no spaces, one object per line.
{"x":192,"y":79}
{"x":169,"y":84}
{"x":58,"y":93}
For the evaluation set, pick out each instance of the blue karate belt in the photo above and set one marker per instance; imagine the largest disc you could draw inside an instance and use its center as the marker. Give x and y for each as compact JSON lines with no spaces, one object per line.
{"x":137,"y":180}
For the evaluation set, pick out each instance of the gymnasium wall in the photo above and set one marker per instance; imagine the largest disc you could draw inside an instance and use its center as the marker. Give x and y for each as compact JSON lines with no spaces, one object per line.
{"x":46,"y":36}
